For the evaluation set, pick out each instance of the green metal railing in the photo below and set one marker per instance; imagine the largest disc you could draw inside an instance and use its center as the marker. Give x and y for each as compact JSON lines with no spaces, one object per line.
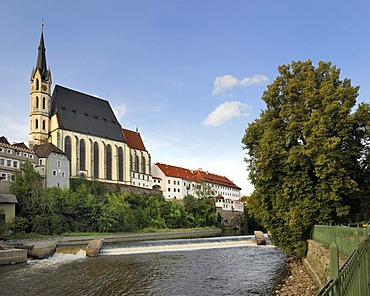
{"x":353,"y":279}
{"x":346,"y":238}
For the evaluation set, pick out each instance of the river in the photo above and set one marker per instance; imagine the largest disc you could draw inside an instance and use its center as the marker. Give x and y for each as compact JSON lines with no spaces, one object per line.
{"x":213,"y":266}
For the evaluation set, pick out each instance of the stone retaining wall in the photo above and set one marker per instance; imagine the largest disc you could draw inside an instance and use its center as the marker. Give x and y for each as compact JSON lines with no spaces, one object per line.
{"x":11,"y":256}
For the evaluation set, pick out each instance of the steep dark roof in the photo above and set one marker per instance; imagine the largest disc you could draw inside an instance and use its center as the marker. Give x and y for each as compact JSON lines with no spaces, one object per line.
{"x":85,"y":114}
{"x":20,"y":145}
{"x":41,"y":58}
{"x":4,"y":140}
{"x":44,"y":150}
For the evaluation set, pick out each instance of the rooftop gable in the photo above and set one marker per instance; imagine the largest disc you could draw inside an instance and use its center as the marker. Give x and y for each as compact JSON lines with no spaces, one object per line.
{"x":86,"y":114}
{"x":45,"y":150}
{"x":174,"y":171}
{"x":133,"y":139}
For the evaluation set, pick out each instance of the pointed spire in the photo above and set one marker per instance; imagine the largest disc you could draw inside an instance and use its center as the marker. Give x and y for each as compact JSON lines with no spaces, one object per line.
{"x":41,"y":57}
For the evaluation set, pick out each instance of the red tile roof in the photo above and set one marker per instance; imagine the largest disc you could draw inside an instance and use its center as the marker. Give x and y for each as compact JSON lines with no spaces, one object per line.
{"x":133,"y":139}
{"x":197,"y":176}
{"x":177,"y":172}
{"x":202,"y":176}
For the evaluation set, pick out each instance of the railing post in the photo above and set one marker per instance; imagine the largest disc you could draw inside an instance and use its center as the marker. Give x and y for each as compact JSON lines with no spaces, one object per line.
{"x":334,"y":267}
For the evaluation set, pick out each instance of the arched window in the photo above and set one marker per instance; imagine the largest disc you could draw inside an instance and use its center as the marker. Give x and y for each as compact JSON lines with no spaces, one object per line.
{"x":43,"y":103}
{"x":108,"y":158}
{"x":37,"y":84}
{"x":43,"y":124}
{"x":82,"y":155}
{"x":68,"y":147}
{"x":143,"y":165}
{"x":136,"y":164}
{"x":120,"y":164}
{"x":96,"y":160}
{"x":37,"y":102}
{"x":36,"y":123}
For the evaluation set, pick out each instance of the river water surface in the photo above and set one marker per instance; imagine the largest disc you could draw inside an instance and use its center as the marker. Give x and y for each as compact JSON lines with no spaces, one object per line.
{"x":217,"y":266}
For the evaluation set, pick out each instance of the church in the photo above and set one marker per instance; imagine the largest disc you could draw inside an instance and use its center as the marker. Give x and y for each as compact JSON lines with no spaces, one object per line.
{"x":86,"y":129}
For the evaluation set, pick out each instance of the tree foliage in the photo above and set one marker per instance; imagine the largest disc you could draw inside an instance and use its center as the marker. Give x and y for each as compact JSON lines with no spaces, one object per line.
{"x":90,"y":207}
{"x":308,"y":153}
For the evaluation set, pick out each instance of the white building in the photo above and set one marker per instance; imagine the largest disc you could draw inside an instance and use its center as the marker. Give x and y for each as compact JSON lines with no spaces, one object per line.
{"x":177,"y":182}
{"x":53,"y":165}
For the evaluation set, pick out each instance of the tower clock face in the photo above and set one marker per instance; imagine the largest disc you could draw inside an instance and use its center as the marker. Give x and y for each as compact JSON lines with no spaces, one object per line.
{"x":44,"y":87}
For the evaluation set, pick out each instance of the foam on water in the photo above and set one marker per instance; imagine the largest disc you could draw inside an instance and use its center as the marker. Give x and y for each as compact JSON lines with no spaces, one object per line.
{"x":57,"y":259}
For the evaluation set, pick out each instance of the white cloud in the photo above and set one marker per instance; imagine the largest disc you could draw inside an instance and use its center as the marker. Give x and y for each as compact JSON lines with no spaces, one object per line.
{"x":227,"y":82}
{"x":120,"y":110}
{"x":226,"y":112}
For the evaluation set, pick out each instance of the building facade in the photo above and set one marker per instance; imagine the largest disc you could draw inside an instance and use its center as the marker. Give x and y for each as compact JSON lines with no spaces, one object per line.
{"x":86,"y":129}
{"x":53,"y":165}
{"x":177,"y":182}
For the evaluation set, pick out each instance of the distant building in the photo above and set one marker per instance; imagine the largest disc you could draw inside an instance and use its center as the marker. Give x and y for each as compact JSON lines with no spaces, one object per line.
{"x":7,"y":205}
{"x":227,"y":204}
{"x":12,"y":156}
{"x":53,"y":165}
{"x":177,"y":182}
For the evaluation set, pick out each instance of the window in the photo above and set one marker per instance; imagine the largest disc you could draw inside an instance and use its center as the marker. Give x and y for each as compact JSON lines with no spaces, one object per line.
{"x":169,"y":182}
{"x":37,"y":84}
{"x":2,"y":161}
{"x":54,"y":172}
{"x":143,"y":165}
{"x":3,"y":176}
{"x":43,"y":103}
{"x":25,"y":155}
{"x":68,"y":147}
{"x":1,"y":149}
{"x":174,"y":182}
{"x":63,"y":174}
{"x":9,"y":151}
{"x":18,"y":153}
{"x":37,"y":102}
{"x":96,"y":160}
{"x":108,"y":157}
{"x":120,"y":164}
{"x":15,"y":164}
{"x":43,"y":124}
{"x":169,"y":189}
{"x":82,"y":155}
{"x":9,"y":162}
{"x":36,"y":124}
{"x":178,"y":190}
{"x":31,"y":156}
{"x":58,"y":163}
{"x":136,"y":164}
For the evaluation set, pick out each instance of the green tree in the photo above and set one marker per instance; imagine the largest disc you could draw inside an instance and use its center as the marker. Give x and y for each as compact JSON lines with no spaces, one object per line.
{"x":307,"y":153}
{"x":203,"y":190}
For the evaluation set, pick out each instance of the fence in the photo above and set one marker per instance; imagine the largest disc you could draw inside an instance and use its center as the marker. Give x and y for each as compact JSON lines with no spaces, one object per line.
{"x":353,"y":279}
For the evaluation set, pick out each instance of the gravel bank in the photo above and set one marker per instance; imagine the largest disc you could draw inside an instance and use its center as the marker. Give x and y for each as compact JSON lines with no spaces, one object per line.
{"x":298,"y":280}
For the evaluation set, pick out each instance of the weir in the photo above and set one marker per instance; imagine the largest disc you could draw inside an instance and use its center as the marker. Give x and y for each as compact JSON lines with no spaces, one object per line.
{"x":177,"y":245}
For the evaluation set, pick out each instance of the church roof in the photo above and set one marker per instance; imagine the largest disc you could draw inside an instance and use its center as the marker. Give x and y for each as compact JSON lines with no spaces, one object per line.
{"x":133,"y":139}
{"x":44,"y":150}
{"x":85,"y":114}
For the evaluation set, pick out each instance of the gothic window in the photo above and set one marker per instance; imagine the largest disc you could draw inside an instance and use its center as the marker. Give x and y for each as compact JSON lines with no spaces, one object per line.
{"x":82,"y":155}
{"x":37,"y":84}
{"x":120,"y":164}
{"x":43,"y":124}
{"x":36,"y":123}
{"x":108,"y":156}
{"x":43,"y":103}
{"x":68,"y":147}
{"x":143,"y":164}
{"x":136,"y":164}
{"x":96,"y":160}
{"x":37,"y":102}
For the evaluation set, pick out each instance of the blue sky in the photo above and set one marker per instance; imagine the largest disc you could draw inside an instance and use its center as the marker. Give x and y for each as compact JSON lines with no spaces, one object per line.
{"x":188,"y":73}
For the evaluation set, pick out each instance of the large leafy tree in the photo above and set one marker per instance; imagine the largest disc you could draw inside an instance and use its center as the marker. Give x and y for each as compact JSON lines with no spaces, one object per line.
{"x":308,"y":153}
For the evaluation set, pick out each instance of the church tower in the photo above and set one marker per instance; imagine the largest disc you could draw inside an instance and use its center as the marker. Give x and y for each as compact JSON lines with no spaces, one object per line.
{"x":40,"y":98}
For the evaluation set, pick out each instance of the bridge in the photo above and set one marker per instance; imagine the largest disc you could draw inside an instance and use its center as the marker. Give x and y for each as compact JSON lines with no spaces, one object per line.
{"x":353,"y":278}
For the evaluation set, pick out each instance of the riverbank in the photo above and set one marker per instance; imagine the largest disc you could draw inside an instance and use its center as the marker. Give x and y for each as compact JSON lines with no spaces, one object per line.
{"x":298,"y":280}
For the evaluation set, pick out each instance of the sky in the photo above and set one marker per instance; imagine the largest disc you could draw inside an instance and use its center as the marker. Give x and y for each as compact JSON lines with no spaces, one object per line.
{"x":189,"y":74}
